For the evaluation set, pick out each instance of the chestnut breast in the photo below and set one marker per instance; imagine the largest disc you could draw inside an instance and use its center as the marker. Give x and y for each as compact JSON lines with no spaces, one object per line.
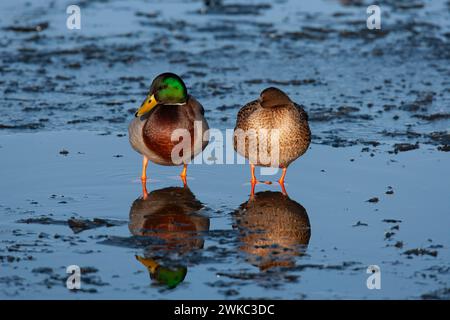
{"x":161,"y":124}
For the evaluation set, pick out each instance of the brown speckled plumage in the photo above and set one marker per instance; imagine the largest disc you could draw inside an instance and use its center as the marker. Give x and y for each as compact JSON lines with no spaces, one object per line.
{"x":151,"y":134}
{"x":273,"y":229}
{"x":274,"y":110}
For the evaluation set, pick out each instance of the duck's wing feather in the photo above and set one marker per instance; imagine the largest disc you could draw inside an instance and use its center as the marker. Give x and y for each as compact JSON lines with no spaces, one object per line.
{"x":302,"y":112}
{"x":245,"y":112}
{"x":196,"y":112}
{"x":195,"y":108}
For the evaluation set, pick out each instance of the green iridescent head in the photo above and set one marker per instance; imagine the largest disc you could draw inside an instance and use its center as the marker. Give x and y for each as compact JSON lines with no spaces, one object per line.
{"x":166,"y":89}
{"x":170,"y":277}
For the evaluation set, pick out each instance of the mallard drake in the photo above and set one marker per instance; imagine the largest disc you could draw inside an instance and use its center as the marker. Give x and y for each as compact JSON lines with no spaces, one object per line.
{"x":272,"y":229}
{"x":272,"y":110}
{"x":167,"y":107}
{"x":171,"y":215}
{"x":170,"y":218}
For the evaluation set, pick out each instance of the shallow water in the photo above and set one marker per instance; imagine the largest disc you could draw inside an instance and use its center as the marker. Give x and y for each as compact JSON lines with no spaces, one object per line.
{"x":222,"y":259}
{"x":364,"y":92}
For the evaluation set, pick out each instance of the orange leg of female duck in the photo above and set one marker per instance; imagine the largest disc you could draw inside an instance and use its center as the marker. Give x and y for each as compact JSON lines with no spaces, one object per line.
{"x":183,"y":175}
{"x":283,"y":190}
{"x":283,"y":175}
{"x":255,"y":181}
{"x":252,"y":191}
{"x":281,"y":181}
{"x":144,"y":177}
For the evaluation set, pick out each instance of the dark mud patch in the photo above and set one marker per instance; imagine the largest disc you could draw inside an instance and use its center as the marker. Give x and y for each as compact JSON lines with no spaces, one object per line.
{"x":445,"y":148}
{"x":270,"y":280}
{"x":273,"y":278}
{"x":76,"y":224}
{"x":389,"y":191}
{"x":433,"y":117}
{"x":64,"y":152}
{"x":294,"y":82}
{"x":402,"y":147}
{"x":53,"y":278}
{"x":421,"y":252}
{"x":218,"y":7}
{"x":13,"y":281}
{"x":135,"y":242}
{"x":440,"y":137}
{"x":392,"y":221}
{"x":26,"y":126}
{"x":43,"y":220}
{"x":346,"y":265}
{"x":12,"y":259}
{"x":441,"y":294}
{"x":79,"y":225}
{"x":33,"y":28}
{"x":343,"y":112}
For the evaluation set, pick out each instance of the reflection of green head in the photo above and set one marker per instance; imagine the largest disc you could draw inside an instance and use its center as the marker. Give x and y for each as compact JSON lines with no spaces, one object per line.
{"x":169,"y":277}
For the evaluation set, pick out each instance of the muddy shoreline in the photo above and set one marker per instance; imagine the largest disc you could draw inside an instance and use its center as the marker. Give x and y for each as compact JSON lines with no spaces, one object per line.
{"x":389,"y":86}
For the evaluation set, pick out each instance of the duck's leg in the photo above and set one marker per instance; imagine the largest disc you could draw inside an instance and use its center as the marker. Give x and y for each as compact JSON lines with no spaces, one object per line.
{"x":144,"y":177}
{"x":281,"y":182}
{"x":252,"y":191}
{"x":144,"y":190}
{"x":283,"y":190}
{"x":183,"y":175}
{"x":144,"y":169}
{"x":283,"y":175}
{"x":255,"y":181}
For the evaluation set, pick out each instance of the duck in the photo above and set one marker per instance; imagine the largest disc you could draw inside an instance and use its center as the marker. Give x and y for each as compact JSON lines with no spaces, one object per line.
{"x":283,"y":121}
{"x":172,"y":220}
{"x":171,"y":215}
{"x":167,"y":107}
{"x":272,"y":230}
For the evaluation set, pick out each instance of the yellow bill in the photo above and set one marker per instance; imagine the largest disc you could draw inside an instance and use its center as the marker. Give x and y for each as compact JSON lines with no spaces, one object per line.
{"x":149,"y":263}
{"x":148,"y":104}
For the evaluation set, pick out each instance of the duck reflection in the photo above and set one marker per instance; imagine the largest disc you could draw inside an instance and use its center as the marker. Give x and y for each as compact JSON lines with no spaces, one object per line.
{"x":171,"y":217}
{"x":273,"y":230}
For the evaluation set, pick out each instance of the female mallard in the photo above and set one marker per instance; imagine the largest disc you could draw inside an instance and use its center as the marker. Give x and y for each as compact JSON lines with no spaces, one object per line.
{"x":277,"y":117}
{"x":166,"y":108}
{"x":272,"y":229}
